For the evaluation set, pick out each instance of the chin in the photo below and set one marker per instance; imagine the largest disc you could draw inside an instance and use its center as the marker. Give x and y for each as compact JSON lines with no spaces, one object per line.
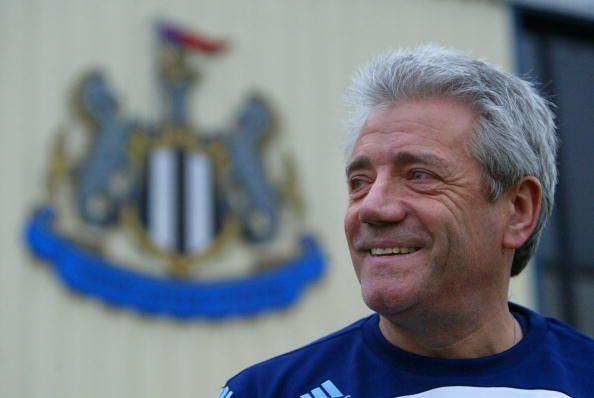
{"x":385,"y":298}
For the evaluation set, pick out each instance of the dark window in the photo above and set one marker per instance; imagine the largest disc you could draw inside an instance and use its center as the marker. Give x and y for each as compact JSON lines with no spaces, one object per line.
{"x":558,"y":51}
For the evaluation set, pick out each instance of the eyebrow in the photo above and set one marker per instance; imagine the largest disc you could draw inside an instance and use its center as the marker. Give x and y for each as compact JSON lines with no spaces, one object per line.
{"x":406,"y":158}
{"x":400,"y":159}
{"x":358,"y":163}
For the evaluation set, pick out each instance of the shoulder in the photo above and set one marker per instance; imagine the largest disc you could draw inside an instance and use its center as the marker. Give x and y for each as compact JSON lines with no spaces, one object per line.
{"x":279,"y":375}
{"x":554,"y":329}
{"x":571,"y":340}
{"x":560,"y":341}
{"x":573,"y":352}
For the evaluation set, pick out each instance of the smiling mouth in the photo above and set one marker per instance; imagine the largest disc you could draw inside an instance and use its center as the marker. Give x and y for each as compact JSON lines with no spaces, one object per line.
{"x":392,"y":250}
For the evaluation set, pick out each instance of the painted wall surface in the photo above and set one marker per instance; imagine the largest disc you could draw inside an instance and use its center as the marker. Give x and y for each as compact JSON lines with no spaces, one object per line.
{"x":54,"y":343}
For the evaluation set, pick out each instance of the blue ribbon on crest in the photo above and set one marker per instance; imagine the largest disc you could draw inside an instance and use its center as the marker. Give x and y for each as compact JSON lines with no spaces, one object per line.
{"x":91,"y":274}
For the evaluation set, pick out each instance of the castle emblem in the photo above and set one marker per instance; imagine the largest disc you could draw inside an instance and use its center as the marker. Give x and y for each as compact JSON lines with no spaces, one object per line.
{"x":169,"y":219}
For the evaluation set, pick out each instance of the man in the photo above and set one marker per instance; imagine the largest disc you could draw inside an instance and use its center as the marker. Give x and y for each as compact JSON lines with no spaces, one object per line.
{"x":451,"y":176}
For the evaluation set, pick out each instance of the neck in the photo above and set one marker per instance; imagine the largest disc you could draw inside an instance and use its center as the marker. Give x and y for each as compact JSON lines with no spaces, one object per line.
{"x":472,"y":334}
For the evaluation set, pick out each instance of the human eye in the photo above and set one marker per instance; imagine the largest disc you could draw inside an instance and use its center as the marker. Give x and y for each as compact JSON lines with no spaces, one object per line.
{"x":420,"y":174}
{"x":357,"y":183}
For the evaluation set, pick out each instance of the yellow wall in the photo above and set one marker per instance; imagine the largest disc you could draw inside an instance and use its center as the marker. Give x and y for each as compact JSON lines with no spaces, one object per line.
{"x":300,"y":53}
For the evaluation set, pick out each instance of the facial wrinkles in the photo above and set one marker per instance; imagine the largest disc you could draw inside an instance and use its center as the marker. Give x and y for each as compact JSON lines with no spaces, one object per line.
{"x":458,"y":192}
{"x":457,"y":187}
{"x":411,"y":232}
{"x":414,"y":123}
{"x":453,"y":189}
{"x":459,"y":184}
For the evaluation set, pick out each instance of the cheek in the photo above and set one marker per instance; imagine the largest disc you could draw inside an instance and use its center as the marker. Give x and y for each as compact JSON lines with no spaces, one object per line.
{"x":478,"y":232}
{"x":351,"y":224}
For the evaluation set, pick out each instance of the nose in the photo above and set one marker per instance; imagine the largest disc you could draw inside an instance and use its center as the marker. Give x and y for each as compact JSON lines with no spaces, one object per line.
{"x":383,"y":203}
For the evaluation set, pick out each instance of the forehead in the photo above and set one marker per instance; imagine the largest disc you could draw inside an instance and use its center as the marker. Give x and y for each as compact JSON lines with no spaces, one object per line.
{"x":441,"y":125}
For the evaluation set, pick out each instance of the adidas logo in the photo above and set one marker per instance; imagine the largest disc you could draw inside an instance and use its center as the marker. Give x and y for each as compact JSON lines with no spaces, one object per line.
{"x":225,"y":393}
{"x":326,"y":390}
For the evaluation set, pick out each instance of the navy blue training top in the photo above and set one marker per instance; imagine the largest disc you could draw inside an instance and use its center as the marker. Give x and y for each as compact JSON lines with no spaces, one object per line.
{"x":551,"y":361}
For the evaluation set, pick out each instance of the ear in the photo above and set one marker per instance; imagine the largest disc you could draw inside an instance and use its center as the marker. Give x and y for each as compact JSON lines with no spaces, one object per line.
{"x":525,"y":197}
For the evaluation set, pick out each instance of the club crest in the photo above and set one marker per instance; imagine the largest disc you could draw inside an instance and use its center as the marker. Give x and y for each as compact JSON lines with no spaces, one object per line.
{"x":166,"y":218}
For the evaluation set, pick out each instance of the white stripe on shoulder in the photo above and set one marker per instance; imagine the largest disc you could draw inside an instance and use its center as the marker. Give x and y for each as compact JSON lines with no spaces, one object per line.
{"x":225,"y":393}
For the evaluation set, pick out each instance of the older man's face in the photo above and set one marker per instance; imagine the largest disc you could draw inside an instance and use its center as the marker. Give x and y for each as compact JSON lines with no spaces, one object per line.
{"x":420,"y":229}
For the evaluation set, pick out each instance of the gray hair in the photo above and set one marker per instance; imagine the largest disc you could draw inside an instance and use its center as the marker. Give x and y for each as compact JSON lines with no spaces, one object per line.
{"x":514,"y":136}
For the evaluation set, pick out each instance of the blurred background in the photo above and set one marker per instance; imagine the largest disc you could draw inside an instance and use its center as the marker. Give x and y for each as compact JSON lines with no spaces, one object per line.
{"x":55,"y":343}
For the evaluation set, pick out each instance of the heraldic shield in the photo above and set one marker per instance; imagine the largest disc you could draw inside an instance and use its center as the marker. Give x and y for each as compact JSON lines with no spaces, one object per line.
{"x":168,"y":219}
{"x":181,"y":212}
